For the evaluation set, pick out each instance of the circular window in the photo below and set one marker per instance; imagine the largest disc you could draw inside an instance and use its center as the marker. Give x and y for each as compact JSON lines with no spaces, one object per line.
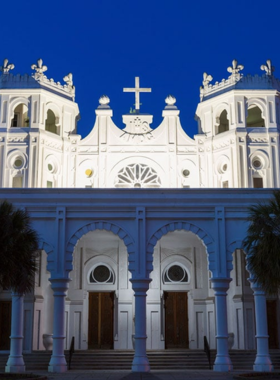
{"x":88,"y":172}
{"x":224,"y":167}
{"x":186,"y":173}
{"x":52,"y":164}
{"x":101,"y":274}
{"x":257,"y":163}
{"x":18,"y":163}
{"x":176,"y":273}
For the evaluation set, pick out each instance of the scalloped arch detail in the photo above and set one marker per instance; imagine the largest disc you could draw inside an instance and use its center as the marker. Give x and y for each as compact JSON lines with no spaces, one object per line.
{"x":50,"y":255}
{"x":15,"y":102}
{"x":46,"y":247}
{"x":181,"y":225}
{"x":101,"y":225}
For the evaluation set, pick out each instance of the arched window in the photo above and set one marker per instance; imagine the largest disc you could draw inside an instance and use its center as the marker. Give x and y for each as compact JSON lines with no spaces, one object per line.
{"x":20,"y":118}
{"x":254,"y":117}
{"x":50,"y":124}
{"x":137,"y":175}
{"x":223,"y":125}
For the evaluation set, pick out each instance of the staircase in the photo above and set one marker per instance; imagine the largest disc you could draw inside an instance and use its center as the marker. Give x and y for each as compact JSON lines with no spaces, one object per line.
{"x":159,"y":360}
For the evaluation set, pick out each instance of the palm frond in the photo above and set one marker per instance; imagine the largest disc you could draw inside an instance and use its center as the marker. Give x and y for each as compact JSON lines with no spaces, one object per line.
{"x":262,"y":244}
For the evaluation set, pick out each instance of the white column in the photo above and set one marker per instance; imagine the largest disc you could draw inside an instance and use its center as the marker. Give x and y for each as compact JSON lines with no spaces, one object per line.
{"x":58,"y":361}
{"x":262,"y":361}
{"x":140,"y":361}
{"x":222,"y":361}
{"x":15,"y":362}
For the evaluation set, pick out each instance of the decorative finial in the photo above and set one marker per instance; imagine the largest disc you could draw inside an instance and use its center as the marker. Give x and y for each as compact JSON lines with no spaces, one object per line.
{"x":206,"y":79}
{"x":234,"y":70}
{"x":69,"y":79}
{"x":5,"y":68}
{"x":170,"y":100}
{"x":268,"y":68}
{"x":40,"y":68}
{"x":104,"y":100}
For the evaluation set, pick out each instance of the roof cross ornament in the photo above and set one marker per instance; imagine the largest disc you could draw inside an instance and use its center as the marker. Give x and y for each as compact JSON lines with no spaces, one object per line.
{"x":206,"y":79}
{"x":40,"y":68}
{"x":5,"y":68}
{"x":68,"y":79}
{"x":137,"y":91}
{"x":234,"y":70}
{"x":268,"y":68}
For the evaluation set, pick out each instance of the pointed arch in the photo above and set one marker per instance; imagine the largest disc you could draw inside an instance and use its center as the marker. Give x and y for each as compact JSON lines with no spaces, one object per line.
{"x":101,"y":225}
{"x":206,"y":239}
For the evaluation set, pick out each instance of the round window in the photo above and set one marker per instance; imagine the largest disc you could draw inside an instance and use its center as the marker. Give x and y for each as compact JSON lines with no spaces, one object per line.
{"x":50,"y":167}
{"x":224,"y":167}
{"x":18,"y":163}
{"x":186,"y":173}
{"x":176,"y":273}
{"x":88,"y":172}
{"x":101,"y":274}
{"x":257,"y":163}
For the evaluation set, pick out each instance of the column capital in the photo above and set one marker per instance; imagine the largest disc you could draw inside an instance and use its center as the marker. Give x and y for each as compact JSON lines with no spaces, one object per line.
{"x":220,"y":283}
{"x":141,"y":284}
{"x":255,"y":286}
{"x":59,"y":285}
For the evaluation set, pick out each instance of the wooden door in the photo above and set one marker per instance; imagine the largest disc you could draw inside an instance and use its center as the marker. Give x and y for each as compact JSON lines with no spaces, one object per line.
{"x":271,"y":309}
{"x":100,"y":322}
{"x":5,"y":324}
{"x":176,"y":320}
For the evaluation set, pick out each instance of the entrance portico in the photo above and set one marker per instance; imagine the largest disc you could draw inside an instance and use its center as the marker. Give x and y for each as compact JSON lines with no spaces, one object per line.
{"x":142,"y":227}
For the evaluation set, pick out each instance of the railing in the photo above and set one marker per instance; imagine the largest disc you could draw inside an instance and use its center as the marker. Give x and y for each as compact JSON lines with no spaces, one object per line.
{"x":207,"y":351}
{"x":71,"y":351}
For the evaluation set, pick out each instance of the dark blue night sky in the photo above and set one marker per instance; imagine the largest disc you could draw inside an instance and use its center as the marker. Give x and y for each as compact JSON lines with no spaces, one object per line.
{"x":168,"y":44}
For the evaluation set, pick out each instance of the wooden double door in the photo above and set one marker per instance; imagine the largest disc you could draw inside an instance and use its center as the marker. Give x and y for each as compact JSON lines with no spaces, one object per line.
{"x":176,"y":320}
{"x":100,"y":321}
{"x":5,"y":324}
{"x":272,"y":323}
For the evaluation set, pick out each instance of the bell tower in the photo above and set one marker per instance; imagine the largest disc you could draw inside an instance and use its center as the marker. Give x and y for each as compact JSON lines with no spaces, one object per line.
{"x":239,"y":129}
{"x":38,"y":119}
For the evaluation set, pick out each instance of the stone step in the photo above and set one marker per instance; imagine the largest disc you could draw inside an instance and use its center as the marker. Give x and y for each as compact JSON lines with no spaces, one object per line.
{"x":165,"y":359}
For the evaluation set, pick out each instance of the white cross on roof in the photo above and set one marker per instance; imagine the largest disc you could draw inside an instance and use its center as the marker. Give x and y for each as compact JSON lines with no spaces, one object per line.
{"x":137,"y":91}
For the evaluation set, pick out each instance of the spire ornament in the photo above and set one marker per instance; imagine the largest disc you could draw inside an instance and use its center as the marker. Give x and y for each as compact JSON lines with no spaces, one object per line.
{"x":206,"y":79}
{"x":68,"y":79}
{"x":40,"y":69}
{"x":268,"y":68}
{"x":5,"y":68}
{"x":170,"y":100}
{"x":234,"y":70}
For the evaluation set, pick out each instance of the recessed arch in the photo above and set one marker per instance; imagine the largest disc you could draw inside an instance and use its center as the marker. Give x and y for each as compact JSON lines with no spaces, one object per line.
{"x":19,"y":112}
{"x":54,"y":108}
{"x":256,"y":113}
{"x":101,"y":225}
{"x":221,"y":118}
{"x":206,"y":239}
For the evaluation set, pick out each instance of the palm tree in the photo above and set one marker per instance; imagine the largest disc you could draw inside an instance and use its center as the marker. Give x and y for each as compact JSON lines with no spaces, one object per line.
{"x":262,"y":244}
{"x":18,"y":249}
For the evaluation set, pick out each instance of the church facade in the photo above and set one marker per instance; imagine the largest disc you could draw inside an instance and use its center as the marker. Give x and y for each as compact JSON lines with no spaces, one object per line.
{"x":141,"y":228}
